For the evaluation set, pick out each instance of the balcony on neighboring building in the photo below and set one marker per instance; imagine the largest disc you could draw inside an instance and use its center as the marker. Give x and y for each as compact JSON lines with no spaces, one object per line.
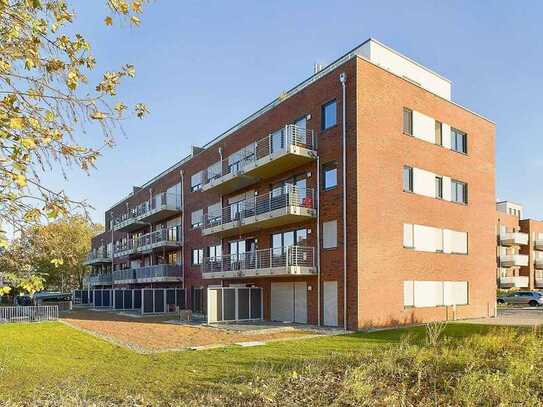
{"x":125,"y":247}
{"x":282,"y":261}
{"x":158,"y":208}
{"x":513,"y":260}
{"x":538,"y":244}
{"x":514,"y":282}
{"x":279,"y":207}
{"x":539,"y":279}
{"x":149,"y":274}
{"x":513,"y":239}
{"x":98,"y":256}
{"x":100,"y":279}
{"x":277,"y":153}
{"x":538,"y":263}
{"x":169,"y":238}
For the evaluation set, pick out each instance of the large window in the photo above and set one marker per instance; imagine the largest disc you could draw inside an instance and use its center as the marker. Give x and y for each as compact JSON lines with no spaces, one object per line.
{"x":459,"y":192}
{"x":196,"y":181}
{"x":214,"y":251}
{"x":197,"y":219}
{"x":407,"y":121}
{"x":407,"y":179}
{"x":459,"y":141}
{"x":328,"y":115}
{"x":329,"y":176}
{"x":197,"y":256}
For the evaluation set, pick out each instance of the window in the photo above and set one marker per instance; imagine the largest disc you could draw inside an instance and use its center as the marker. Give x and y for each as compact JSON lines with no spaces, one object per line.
{"x":459,"y":141}
{"x":407,"y":121}
{"x":214,"y":251}
{"x":435,"y":293}
{"x":197,"y":219}
{"x":439,"y":133}
{"x":329,"y":176}
{"x":172,"y":258}
{"x":439,"y":187}
{"x":197,"y":256}
{"x":407,"y":179}
{"x":329,"y":234}
{"x":328,"y":115}
{"x":196,"y":181}
{"x":459,"y":192}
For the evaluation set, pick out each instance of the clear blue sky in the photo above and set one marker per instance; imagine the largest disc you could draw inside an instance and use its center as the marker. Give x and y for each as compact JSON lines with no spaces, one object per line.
{"x":204,"y":65}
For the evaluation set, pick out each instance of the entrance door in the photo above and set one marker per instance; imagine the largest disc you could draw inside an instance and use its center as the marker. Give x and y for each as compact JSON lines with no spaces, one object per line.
{"x":330,"y":303}
{"x":289,"y":302}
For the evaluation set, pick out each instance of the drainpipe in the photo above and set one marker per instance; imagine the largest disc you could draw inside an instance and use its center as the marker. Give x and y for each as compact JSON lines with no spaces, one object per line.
{"x":317,"y":202}
{"x":182,"y":173}
{"x":343,"y":79}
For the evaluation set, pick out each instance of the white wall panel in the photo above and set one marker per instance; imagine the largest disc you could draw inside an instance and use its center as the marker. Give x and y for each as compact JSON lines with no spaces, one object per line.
{"x":408,"y":235}
{"x":446,"y":135}
{"x":428,"y":293}
{"x":424,"y":127}
{"x":455,"y":292}
{"x":424,"y":182}
{"x":408,"y":297}
{"x":446,"y":188}
{"x":459,"y":242}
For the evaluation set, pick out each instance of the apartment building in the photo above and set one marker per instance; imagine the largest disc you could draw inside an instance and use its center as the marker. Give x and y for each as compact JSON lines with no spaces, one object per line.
{"x":364,"y":196}
{"x":519,"y":248}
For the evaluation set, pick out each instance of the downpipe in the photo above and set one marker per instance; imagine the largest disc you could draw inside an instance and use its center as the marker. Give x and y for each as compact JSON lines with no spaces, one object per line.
{"x":343,"y":80}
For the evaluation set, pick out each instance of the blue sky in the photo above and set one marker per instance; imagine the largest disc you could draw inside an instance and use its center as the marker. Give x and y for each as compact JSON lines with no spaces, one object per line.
{"x":204,"y":65}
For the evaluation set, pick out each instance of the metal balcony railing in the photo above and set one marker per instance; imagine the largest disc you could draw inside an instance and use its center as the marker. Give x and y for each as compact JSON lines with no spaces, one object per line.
{"x":279,"y":141}
{"x":100,"y":279}
{"x":512,"y":260}
{"x":288,"y":196}
{"x":513,"y":238}
{"x":156,"y":238}
{"x":514,"y":281}
{"x":292,"y":256}
{"x":98,"y":255}
{"x":128,"y":275}
{"x":148,"y":273}
{"x":163,"y":200}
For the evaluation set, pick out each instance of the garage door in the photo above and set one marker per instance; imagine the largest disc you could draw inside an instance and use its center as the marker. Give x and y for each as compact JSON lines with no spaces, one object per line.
{"x":289,"y":302}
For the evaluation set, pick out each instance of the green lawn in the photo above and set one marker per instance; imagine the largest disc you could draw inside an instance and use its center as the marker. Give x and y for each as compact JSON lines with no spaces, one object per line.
{"x":53,"y":356}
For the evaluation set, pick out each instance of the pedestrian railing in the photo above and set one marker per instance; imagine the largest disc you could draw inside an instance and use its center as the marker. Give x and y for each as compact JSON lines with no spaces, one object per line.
{"x":33,"y":313}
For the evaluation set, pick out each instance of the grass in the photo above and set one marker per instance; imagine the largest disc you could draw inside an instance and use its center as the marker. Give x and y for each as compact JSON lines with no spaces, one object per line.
{"x":51,"y":358}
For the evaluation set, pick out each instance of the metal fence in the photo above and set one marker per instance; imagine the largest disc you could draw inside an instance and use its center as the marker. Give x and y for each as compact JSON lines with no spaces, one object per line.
{"x":29,"y":313}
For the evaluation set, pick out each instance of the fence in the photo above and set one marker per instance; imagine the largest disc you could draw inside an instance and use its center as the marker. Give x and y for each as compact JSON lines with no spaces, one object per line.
{"x":29,"y":313}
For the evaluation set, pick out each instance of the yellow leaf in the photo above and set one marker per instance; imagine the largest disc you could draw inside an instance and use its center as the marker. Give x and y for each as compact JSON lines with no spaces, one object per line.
{"x":16,"y":123}
{"x":108,"y":20}
{"x":135,"y":20}
{"x":20,"y":180}
{"x":97,"y":115}
{"x":28,"y":142}
{"x":49,"y":116}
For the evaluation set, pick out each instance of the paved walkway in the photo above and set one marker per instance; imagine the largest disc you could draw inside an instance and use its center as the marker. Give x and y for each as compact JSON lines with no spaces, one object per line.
{"x":529,"y":316}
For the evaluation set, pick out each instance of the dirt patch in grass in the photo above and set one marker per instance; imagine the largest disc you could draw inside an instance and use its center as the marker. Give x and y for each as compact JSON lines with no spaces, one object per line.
{"x":155,"y":334}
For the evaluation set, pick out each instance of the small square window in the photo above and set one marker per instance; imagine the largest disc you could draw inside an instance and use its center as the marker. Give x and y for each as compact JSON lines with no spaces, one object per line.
{"x":407,"y":179}
{"x":329,"y":176}
{"x":407,"y":121}
{"x":328,"y":115}
{"x":459,"y":141}
{"x":459,"y":192}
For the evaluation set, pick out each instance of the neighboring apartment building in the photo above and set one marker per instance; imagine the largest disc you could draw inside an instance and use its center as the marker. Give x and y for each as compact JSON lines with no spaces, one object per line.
{"x":362,"y":193}
{"x":519,"y":248}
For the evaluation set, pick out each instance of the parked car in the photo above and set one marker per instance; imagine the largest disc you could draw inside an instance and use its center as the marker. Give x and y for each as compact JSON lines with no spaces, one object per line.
{"x":531,"y":298}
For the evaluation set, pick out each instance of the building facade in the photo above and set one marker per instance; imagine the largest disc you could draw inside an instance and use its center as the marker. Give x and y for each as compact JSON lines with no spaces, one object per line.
{"x":519,"y":248}
{"x":363,"y":195}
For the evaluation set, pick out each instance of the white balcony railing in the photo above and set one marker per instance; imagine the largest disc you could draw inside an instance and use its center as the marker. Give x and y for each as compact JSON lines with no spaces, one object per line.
{"x":155,"y":273}
{"x":514,"y":281}
{"x":290,"y":139}
{"x":513,"y":260}
{"x":514,"y":238}
{"x":289,"y":200}
{"x":165,"y":203}
{"x":265,"y":262}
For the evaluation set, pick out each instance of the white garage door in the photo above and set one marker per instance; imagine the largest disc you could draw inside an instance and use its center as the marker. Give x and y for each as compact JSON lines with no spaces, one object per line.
{"x":289,"y":302}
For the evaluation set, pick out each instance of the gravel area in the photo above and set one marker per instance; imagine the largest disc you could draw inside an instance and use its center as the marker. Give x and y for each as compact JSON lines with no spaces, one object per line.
{"x":152,"y":334}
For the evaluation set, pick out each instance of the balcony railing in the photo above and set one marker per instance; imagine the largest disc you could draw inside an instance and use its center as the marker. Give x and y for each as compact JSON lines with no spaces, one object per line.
{"x":292,"y":260}
{"x":97,"y":257}
{"x":513,"y":260}
{"x":514,"y":239}
{"x":276,"y":208}
{"x":539,"y":280}
{"x":538,"y":263}
{"x":148,"y":274}
{"x":159,"y":207}
{"x":515,"y":281}
{"x":538,"y":244}
{"x":170,"y":237}
{"x":279,"y":152}
{"x":100,"y":279}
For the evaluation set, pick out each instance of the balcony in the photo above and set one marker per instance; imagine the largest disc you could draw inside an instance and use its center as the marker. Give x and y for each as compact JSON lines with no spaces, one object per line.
{"x":149,"y":274}
{"x":125,"y":248}
{"x":282,"y":261}
{"x":163,"y":238}
{"x":99,"y":256}
{"x":538,"y":263}
{"x":100,"y":279}
{"x":538,"y":244}
{"x":514,"y":282}
{"x":514,"y":239}
{"x":276,"y":208}
{"x":539,"y":281}
{"x":277,"y":153}
{"x":160,"y":207}
{"x":513,"y":260}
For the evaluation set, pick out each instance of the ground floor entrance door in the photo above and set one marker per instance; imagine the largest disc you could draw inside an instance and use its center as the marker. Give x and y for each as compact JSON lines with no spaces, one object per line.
{"x":289,"y":302}
{"x":330,"y":303}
